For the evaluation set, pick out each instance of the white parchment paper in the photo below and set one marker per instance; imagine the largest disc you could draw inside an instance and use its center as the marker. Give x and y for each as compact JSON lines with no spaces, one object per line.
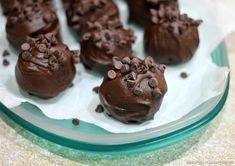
{"x":205,"y":81}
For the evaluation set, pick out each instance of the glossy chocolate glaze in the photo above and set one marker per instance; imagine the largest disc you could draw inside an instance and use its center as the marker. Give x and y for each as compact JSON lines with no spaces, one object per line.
{"x":101,"y":43}
{"x":30,"y":21}
{"x":139,"y":10}
{"x":134,"y":93}
{"x":45,"y":67}
{"x":82,"y":11}
{"x":172,"y":38}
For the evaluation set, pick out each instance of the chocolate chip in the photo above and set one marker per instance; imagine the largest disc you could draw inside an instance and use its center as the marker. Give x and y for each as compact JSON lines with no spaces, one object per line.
{"x":42,"y":48}
{"x":99,"y":109}
{"x":162,"y":68}
{"x":12,"y":20}
{"x":123,"y":42}
{"x":157,"y":92}
{"x":132,"y":76}
{"x":117,"y":64}
{"x":125,"y":68}
{"x":53,"y":60}
{"x":126,"y":60}
{"x":5,"y":62}
{"x":25,"y":47}
{"x":149,"y":61}
{"x":53,"y":40}
{"x":138,"y":91}
{"x":5,"y":53}
{"x":153,"y":83}
{"x":26,"y":55}
{"x":75,"y":121}
{"x":111,"y":74}
{"x":96,"y":89}
{"x":49,"y":17}
{"x":57,"y":53}
{"x":130,"y":83}
{"x":54,"y":67}
{"x":184,"y":75}
{"x":86,"y":36}
{"x":141,"y":69}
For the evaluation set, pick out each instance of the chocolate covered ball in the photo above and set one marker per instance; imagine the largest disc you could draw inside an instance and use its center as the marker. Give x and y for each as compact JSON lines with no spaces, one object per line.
{"x":30,"y":21}
{"x":82,"y":11}
{"x":139,"y":10}
{"x":133,"y":93}
{"x":101,"y":44}
{"x":45,"y":66}
{"x":172,"y":38}
{"x":13,"y":5}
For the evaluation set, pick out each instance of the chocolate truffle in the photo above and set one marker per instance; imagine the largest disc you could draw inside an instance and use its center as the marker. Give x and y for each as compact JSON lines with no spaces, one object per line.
{"x":82,"y":11}
{"x":139,"y":10}
{"x":45,"y":66}
{"x":100,"y":45}
{"x":13,"y":5}
{"x":172,"y":38}
{"x":134,"y":93}
{"x":30,"y":21}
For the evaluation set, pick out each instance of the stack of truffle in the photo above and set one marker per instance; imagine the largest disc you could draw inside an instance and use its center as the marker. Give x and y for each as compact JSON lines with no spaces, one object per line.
{"x":133,"y":89}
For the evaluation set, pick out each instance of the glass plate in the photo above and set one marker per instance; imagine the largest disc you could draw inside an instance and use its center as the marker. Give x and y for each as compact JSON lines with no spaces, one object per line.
{"x":93,"y":138}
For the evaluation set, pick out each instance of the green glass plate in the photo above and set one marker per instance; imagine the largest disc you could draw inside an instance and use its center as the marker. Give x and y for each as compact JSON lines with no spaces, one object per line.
{"x":93,"y":138}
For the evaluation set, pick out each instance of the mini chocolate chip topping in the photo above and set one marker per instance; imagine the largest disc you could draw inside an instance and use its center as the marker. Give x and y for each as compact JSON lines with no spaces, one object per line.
{"x":169,"y":17}
{"x":5,"y":62}
{"x":106,"y":22}
{"x":43,"y":55}
{"x":82,"y":7}
{"x":111,"y":74}
{"x":135,"y":71}
{"x":5,"y":53}
{"x":30,"y":12}
{"x":108,"y":39}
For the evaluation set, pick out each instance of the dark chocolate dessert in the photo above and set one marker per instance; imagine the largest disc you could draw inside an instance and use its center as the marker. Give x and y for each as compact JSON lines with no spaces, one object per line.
{"x":101,"y":44}
{"x":14,"y":5}
{"x":172,"y":38}
{"x":30,"y":21}
{"x":139,"y":10}
{"x":133,"y":93}
{"x":82,"y":11}
{"x":45,"y":66}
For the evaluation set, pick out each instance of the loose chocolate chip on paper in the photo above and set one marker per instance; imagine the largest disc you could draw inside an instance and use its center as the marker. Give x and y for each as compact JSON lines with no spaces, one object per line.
{"x":112,"y":74}
{"x":5,"y":53}
{"x":184,"y":75}
{"x":99,"y":109}
{"x":96,"y":89}
{"x":6,"y":62}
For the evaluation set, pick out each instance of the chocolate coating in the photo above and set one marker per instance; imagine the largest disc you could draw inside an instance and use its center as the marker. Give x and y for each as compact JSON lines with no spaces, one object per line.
{"x":101,"y":44}
{"x":136,"y":94}
{"x":139,"y":10}
{"x":45,"y":67}
{"x":82,"y":11}
{"x":30,"y":21}
{"x":172,"y":38}
{"x":13,"y":5}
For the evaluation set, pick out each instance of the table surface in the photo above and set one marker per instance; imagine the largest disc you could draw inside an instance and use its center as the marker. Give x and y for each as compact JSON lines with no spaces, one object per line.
{"x":213,"y":145}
